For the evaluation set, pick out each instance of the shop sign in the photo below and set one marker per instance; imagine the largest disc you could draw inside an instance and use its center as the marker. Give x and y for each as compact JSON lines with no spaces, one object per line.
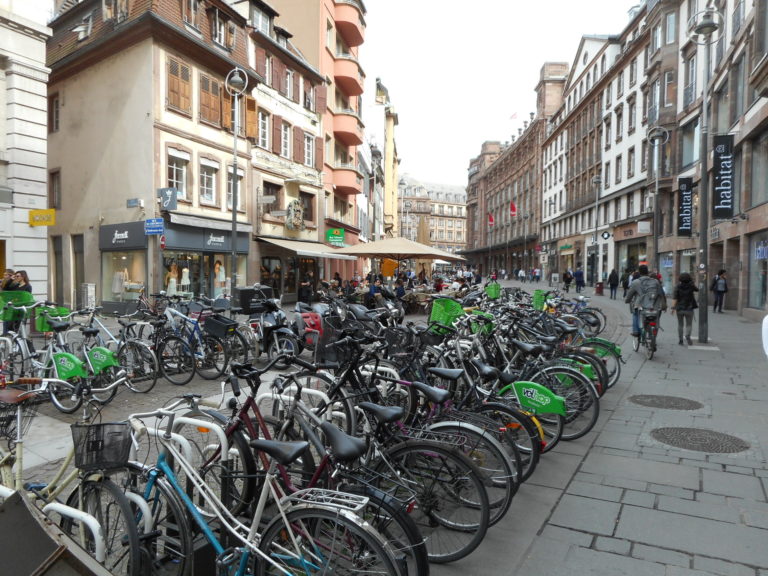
{"x":46,"y":217}
{"x":215,"y":240}
{"x":335,"y":236}
{"x":168,"y":199}
{"x":761,"y":250}
{"x":689,"y":252}
{"x":722,"y":197}
{"x":667,"y":261}
{"x":644,"y":227}
{"x":129,"y":235}
{"x":685,"y":207}
{"x":566,"y":246}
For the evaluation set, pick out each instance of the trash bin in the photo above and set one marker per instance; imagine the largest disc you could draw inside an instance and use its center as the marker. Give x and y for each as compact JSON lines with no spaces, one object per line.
{"x":599,"y":288}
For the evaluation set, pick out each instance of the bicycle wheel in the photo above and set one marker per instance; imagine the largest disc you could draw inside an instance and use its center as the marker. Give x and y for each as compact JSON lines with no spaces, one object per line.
{"x":64,"y":398}
{"x":140,"y":365}
{"x":177,"y":362}
{"x":282,"y":343}
{"x":166,"y":540}
{"x":342,"y":407}
{"x":650,"y":342}
{"x":452,"y":509}
{"x":491,"y":459}
{"x":636,"y":342}
{"x":101,"y":385}
{"x":600,"y":316}
{"x":20,"y":363}
{"x":592,"y":324}
{"x":212,"y":357}
{"x":103,"y":500}
{"x":582,"y":405}
{"x":237,"y":347}
{"x":311,"y":541}
{"x":611,"y":359}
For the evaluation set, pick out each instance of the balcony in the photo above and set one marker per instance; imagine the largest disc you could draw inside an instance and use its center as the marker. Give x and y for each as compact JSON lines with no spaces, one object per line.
{"x":689,"y":95}
{"x":348,"y":75}
{"x":348,"y":128}
{"x":347,"y":181}
{"x":349,"y":21}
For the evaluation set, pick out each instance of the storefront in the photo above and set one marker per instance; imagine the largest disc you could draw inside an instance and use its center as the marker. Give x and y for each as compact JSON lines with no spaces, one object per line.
{"x":631,"y":247}
{"x":757,"y":289}
{"x":123,"y":250}
{"x":197,"y":260}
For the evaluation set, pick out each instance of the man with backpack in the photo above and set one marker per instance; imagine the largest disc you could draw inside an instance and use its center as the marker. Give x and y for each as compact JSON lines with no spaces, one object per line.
{"x":645,"y":293}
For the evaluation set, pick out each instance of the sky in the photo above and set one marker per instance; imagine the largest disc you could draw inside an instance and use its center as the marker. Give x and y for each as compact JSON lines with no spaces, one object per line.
{"x":461,"y":73}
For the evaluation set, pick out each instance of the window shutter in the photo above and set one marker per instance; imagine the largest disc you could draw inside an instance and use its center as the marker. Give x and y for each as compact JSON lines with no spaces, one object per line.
{"x":185,"y":85}
{"x":231,"y":35}
{"x":298,"y":145}
{"x":321,"y":99}
{"x":277,"y":128}
{"x":275,"y":80}
{"x":318,"y":153}
{"x":261,"y":63}
{"x":174,"y":87}
{"x":205,"y":97}
{"x":215,"y":102}
{"x":251,"y":118}
{"x":307,"y":91}
{"x":296,"y":87}
{"x":226,"y":110}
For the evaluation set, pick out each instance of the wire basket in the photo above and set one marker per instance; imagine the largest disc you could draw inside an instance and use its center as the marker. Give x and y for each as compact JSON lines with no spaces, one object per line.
{"x":479,"y":325}
{"x":400,"y":341}
{"x":334,"y":329}
{"x":49,"y":312}
{"x":103,"y":446}
{"x":18,"y":298}
{"x":493,"y":291}
{"x":445,"y":311}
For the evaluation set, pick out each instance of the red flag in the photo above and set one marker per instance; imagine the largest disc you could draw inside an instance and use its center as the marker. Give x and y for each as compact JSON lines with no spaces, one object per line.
{"x":512,"y":209}
{"x":490,"y":219}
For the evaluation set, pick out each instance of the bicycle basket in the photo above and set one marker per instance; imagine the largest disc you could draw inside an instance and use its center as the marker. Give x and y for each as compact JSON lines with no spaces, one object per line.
{"x":18,"y":298}
{"x":103,"y":446}
{"x":493,"y":291}
{"x":478,"y":326}
{"x":334,"y":328}
{"x":445,"y":311}
{"x":42,"y":314}
{"x":539,"y":299}
{"x":220,"y":326}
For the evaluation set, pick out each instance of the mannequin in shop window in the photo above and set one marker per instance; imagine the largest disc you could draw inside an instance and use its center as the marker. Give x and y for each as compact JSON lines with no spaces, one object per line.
{"x":172,"y":280}
{"x":219,"y":279}
{"x":185,"y":279}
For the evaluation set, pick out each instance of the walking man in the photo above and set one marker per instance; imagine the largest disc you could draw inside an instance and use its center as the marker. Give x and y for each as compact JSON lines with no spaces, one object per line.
{"x":719,"y":287}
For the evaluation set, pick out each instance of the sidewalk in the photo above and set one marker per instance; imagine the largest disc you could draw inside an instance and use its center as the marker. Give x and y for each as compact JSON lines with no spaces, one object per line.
{"x":619,"y":501}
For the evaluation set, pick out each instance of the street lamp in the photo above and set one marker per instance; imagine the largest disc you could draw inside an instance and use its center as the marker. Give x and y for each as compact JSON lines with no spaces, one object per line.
{"x":236,"y":83}
{"x":597,"y":182}
{"x":701,"y":27}
{"x":659,"y":136}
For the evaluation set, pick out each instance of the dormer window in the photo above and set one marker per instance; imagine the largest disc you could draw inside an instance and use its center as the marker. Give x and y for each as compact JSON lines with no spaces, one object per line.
{"x":223,"y":30}
{"x":85,"y":27}
{"x":191,"y":12}
{"x":260,"y":20}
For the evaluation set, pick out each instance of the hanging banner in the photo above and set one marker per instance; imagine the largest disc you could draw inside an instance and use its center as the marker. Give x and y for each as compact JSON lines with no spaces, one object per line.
{"x":490,"y":219}
{"x":512,"y":209}
{"x":722,"y":168}
{"x":685,"y":207}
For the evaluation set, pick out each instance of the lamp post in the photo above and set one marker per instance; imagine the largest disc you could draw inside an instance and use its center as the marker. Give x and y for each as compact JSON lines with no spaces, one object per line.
{"x":236,"y":83}
{"x":701,"y":27}
{"x":659,"y":136}
{"x":597,"y":182}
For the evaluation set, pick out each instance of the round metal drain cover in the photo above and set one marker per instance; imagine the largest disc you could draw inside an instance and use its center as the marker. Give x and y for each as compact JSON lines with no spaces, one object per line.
{"x":700,"y":440}
{"x":668,"y":402}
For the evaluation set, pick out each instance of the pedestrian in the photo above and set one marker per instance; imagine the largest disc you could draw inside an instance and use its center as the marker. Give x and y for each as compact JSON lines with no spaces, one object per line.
{"x":8,"y":282}
{"x":719,"y":287}
{"x":624,"y":281}
{"x":307,"y":287}
{"x":578,"y":277}
{"x":21,"y":285}
{"x":683,"y":305}
{"x":521,"y":275}
{"x":567,"y":279}
{"x":613,"y":283}
{"x":536,"y":275}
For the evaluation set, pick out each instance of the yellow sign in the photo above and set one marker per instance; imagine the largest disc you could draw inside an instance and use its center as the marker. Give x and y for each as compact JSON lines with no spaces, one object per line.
{"x":45,"y":217}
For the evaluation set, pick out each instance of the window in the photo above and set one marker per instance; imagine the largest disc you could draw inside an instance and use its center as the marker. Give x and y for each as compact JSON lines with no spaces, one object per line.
{"x":759,"y":174}
{"x":268,"y":71}
{"x":329,"y":40}
{"x":209,"y":171}
{"x":737,"y":102}
{"x":690,"y":137}
{"x":606,"y":178}
{"x":54,"y":189}
{"x":53,"y":113}
{"x":85,"y":28}
{"x":608,"y":94}
{"x":633,"y":72}
{"x":240,"y":191}
{"x":670,"y":88}
{"x":224,"y":31}
{"x":619,"y":169}
{"x":309,"y":150}
{"x":210,"y":100}
{"x":191,"y":12}
{"x":309,"y":97}
{"x":630,"y":205}
{"x":631,"y":162}
{"x":690,"y":81}
{"x":620,"y":84}
{"x":607,"y":134}
{"x":285,"y":140}
{"x":289,"y":84}
{"x":761,"y":30}
{"x":617,"y":209}
{"x":274,"y":191}
{"x":178,"y":168}
{"x":671,"y":32}
{"x":263,"y":139}
{"x":722,"y":110}
{"x":656,"y":39}
{"x":178,"y":97}
{"x":619,"y":125}
{"x":308,"y":204}
{"x":631,"y":116}
{"x":644,"y":156}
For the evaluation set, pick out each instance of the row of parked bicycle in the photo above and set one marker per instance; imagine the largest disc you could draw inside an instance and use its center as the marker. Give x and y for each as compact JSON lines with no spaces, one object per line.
{"x":424,"y":432}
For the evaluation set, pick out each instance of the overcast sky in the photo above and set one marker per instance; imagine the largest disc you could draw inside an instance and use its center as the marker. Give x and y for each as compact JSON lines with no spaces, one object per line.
{"x":457,"y":72}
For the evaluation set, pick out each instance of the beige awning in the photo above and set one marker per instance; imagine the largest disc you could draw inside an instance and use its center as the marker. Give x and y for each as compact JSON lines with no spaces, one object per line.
{"x":311,"y":249}
{"x":399,"y":249}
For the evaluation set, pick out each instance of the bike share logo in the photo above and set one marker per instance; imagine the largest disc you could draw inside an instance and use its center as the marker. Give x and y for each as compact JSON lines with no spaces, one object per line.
{"x":214,"y":240}
{"x":65,"y":364}
{"x":536,"y":396}
{"x":99,"y":356}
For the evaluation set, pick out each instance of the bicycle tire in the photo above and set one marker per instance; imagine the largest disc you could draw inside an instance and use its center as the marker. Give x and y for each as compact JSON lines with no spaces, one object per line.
{"x":103,"y":500}
{"x":600,"y":315}
{"x":592,"y":325}
{"x":582,"y":405}
{"x":323,"y":530}
{"x":101,"y":386}
{"x":140,"y":365}
{"x":453,"y":512}
{"x":177,"y":362}
{"x":636,"y":343}
{"x":600,"y":380}
{"x":282,"y":343}
{"x":20,"y":363}
{"x":237,"y":347}
{"x":63,"y":397}
{"x":167,"y":547}
{"x":650,"y":344}
{"x":211,"y":356}
{"x":610,"y":359}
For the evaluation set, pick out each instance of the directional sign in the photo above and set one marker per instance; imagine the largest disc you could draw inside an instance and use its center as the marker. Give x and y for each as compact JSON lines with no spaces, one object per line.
{"x":154,"y":226}
{"x":266,"y":199}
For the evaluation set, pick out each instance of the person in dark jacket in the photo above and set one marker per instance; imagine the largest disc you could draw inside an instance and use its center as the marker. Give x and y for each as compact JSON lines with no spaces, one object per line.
{"x":719,"y":288}
{"x":578,"y":277}
{"x":613,"y":283}
{"x":683,"y":305}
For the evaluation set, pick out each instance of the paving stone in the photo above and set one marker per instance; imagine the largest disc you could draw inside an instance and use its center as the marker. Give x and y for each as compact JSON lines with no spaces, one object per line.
{"x":679,"y":571}
{"x":756,"y":518}
{"x":711,"y":498}
{"x":605,"y":544}
{"x":635,"y":498}
{"x":640,"y":470}
{"x":700,"y":536}
{"x":701,"y":464}
{"x":616,"y":440}
{"x":596,"y":563}
{"x":625,"y":483}
{"x":732,"y":485}
{"x":618,"y":452}
{"x":662,"y":458}
{"x":571,"y":536}
{"x":597,"y":516}
{"x":740,"y":470}
{"x":671,"y":491}
{"x":584,"y":477}
{"x":713,"y":566}
{"x":699,"y":509}
{"x":660,"y":555}
{"x":598,"y":491}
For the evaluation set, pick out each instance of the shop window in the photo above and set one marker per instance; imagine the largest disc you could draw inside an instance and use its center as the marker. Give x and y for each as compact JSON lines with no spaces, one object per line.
{"x":123,"y":275}
{"x":272,"y":274}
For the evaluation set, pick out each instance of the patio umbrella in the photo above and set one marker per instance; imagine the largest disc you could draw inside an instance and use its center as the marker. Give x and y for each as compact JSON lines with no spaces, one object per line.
{"x":398,"y":249}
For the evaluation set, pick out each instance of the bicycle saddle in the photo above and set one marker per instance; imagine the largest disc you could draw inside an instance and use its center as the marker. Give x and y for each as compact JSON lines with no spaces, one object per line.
{"x":345,"y":448}
{"x":384,"y":414}
{"x":434,"y":395}
{"x":487,"y":372}
{"x":283,"y":452}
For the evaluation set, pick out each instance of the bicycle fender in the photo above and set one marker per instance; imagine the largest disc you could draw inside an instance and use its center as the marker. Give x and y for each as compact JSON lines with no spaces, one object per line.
{"x":102,"y":358}
{"x":69,"y":366}
{"x":538,"y":399}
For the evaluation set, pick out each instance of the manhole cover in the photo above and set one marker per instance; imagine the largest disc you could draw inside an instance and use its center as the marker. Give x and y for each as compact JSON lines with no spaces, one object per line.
{"x":700,"y":440}
{"x":668,"y":402}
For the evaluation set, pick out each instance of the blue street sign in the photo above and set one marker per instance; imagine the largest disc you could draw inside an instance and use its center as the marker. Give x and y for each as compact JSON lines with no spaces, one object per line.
{"x":154,"y":226}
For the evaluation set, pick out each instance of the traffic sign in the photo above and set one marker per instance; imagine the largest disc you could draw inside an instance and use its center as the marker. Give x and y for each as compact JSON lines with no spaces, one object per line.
{"x":154,"y":226}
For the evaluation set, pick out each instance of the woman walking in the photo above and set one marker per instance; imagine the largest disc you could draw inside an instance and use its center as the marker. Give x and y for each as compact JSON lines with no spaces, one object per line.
{"x":683,"y":305}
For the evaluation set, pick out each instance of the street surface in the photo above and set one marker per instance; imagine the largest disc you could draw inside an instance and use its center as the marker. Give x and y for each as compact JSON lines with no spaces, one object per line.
{"x":617,"y":501}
